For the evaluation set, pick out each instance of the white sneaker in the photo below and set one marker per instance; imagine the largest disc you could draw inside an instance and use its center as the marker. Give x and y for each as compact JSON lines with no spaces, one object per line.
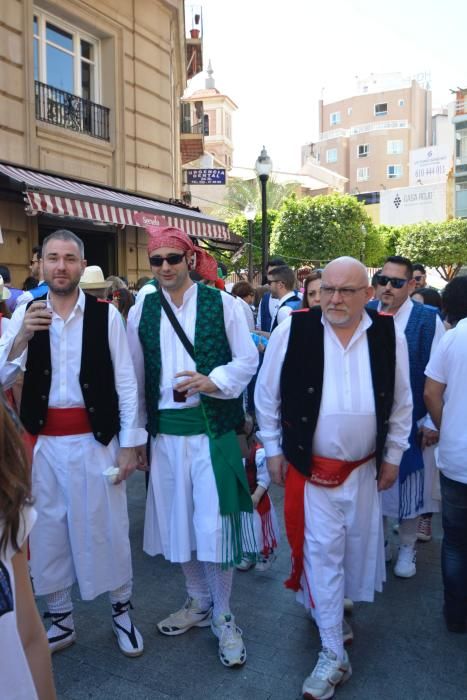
{"x":184,"y":619}
{"x":245,"y":564}
{"x":326,"y":675}
{"x":232,"y":651}
{"x":61,"y":633}
{"x":265,"y":561}
{"x":129,"y":638}
{"x":405,"y":564}
{"x":387,"y":552}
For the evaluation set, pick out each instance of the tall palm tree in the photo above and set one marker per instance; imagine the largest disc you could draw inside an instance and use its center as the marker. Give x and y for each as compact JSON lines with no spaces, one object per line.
{"x":239,"y":193}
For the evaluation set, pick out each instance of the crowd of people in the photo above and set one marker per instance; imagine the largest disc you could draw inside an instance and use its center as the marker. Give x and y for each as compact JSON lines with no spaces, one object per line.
{"x":347,"y":393}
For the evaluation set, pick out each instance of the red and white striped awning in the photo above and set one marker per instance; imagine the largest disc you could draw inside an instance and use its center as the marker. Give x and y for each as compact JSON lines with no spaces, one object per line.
{"x":58,"y":196}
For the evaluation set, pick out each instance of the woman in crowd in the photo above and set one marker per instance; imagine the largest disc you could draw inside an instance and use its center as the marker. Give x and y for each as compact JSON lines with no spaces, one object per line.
{"x":311,"y":290}
{"x":123,"y":299}
{"x":428,"y":295}
{"x":25,"y":667}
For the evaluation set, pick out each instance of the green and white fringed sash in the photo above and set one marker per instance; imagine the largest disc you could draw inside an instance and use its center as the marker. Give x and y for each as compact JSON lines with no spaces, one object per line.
{"x":236,"y":508}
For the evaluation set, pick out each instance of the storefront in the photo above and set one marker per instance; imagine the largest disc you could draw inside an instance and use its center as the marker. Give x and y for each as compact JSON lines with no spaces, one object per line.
{"x":33,"y":204}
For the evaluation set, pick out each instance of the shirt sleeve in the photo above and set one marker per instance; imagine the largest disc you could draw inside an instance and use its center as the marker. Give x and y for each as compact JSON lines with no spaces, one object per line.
{"x":262,"y":474}
{"x":233,"y":378}
{"x":400,"y":421}
{"x":440,"y":331}
{"x":9,"y":369}
{"x":267,"y":392}
{"x":131,"y":433}
{"x":437,"y":366}
{"x":137,"y":356}
{"x":27,"y":519}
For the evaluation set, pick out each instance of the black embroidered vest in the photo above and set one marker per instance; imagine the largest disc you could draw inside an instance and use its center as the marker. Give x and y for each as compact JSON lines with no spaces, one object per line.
{"x":96,"y":376}
{"x":302,"y":382}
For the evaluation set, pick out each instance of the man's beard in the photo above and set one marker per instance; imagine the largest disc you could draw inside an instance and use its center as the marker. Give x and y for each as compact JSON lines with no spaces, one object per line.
{"x":64,"y":291}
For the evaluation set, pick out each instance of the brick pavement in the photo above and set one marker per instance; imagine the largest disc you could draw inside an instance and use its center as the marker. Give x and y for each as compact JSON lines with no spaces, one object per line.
{"x":401,"y":649}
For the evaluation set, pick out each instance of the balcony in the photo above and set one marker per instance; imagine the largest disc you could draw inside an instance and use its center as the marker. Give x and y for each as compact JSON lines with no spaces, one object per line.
{"x":192,"y":134}
{"x":64,"y":109}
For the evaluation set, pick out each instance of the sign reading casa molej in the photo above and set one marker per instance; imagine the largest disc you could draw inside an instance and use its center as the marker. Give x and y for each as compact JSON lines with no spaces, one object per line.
{"x":205,"y":176}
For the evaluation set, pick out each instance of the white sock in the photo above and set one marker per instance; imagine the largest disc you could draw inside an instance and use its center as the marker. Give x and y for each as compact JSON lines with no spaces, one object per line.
{"x":408,"y":531}
{"x":60,"y":601}
{"x":122,"y":594}
{"x":196,"y":583}
{"x":121,"y":597}
{"x":220,"y":586}
{"x":331,"y":638}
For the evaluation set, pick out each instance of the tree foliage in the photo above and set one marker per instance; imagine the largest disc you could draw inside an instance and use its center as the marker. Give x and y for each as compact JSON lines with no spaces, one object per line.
{"x":239,"y":193}
{"x":380,"y":243}
{"x":239,"y":225}
{"x":320,"y":228}
{"x":441,"y":245}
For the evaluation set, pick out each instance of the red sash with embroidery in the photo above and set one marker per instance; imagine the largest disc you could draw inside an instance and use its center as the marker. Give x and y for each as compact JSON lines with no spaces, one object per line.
{"x":326,"y":472}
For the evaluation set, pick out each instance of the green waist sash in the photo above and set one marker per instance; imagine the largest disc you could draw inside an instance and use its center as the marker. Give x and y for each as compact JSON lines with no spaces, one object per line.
{"x":235,"y":502}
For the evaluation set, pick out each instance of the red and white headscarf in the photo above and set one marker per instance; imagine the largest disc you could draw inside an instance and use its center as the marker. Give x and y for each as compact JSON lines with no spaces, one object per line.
{"x":171,"y":237}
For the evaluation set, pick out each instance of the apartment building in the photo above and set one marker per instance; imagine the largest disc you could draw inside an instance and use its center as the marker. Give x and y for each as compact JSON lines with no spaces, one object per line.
{"x":90,"y":127}
{"x":367,"y":137}
{"x":459,"y":120}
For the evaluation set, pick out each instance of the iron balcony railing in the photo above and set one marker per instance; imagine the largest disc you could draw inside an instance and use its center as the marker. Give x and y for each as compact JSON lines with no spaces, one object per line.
{"x":71,"y":112}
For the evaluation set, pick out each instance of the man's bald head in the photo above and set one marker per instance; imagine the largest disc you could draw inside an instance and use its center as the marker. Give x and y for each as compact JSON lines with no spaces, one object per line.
{"x":344,"y":292}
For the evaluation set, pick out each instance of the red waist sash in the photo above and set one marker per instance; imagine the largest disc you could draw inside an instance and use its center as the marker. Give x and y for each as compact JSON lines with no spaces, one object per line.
{"x":326,"y":472}
{"x":66,"y":421}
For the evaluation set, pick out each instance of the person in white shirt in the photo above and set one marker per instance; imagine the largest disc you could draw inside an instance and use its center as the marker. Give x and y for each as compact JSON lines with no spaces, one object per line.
{"x":244,"y":291}
{"x":282,"y":283}
{"x":446,"y":399}
{"x":411,"y":495}
{"x":25,"y":668}
{"x":333,"y":404}
{"x":193,"y":357}
{"x":79,"y":393}
{"x":268,"y":305}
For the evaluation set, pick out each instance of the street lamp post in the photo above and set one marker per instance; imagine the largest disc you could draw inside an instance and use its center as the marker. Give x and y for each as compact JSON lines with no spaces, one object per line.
{"x":250,"y":214}
{"x":263,"y":169}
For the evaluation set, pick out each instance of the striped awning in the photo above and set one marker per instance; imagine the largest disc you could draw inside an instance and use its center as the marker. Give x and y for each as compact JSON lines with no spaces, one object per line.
{"x":59,"y":196}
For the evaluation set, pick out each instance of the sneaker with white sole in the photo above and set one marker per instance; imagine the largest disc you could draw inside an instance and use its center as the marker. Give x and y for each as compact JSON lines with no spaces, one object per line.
{"x":232,"y":650}
{"x":405,"y":564}
{"x":191,"y":615}
{"x":328,"y":673}
{"x":245,"y":564}
{"x":129,"y":638}
{"x":265,"y":561}
{"x":387,"y":552}
{"x":348,"y":606}
{"x":424,"y":529}
{"x":61,"y":633}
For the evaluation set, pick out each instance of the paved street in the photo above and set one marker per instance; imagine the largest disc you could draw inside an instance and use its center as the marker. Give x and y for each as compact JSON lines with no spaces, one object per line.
{"x":401,"y":649}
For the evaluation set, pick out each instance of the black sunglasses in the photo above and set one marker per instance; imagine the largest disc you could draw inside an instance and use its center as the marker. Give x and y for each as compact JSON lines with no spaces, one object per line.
{"x":172,"y":259}
{"x":395,"y":282}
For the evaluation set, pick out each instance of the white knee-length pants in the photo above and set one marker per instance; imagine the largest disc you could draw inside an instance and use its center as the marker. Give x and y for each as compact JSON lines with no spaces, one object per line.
{"x":82,"y":527}
{"x":344,"y":545}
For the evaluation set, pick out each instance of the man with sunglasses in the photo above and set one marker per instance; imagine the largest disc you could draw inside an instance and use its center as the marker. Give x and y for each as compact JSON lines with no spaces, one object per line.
{"x":410,"y":496}
{"x":419,"y":275}
{"x":333,"y":404}
{"x":194,"y":356}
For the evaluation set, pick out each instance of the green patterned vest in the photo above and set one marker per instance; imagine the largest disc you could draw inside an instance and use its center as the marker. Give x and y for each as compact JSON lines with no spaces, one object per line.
{"x":211,"y":350}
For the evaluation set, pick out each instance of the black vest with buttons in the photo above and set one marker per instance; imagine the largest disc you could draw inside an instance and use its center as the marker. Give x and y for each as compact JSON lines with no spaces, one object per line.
{"x":302,"y":382}
{"x":96,"y":376}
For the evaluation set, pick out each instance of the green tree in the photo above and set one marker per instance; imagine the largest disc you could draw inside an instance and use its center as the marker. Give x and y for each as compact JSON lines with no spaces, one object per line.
{"x":380,"y":243}
{"x":320,"y":228}
{"x":441,"y":245}
{"x":239,"y":193}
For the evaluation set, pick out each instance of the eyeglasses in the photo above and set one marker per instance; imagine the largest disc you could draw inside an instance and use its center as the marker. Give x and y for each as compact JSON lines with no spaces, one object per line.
{"x":172,"y":259}
{"x":418,"y":277}
{"x":273,"y":281}
{"x":345,"y":292}
{"x":395,"y":282}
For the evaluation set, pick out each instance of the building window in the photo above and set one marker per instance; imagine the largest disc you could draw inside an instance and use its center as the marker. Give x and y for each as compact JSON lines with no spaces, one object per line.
{"x":363,"y":174}
{"x":206,"y":124}
{"x":334,"y":118}
{"x":394,"y":172}
{"x":65,"y":58}
{"x":331,"y":155}
{"x":363,"y":150}
{"x":401,"y":103}
{"x":395,"y":147}
{"x":381,"y":109}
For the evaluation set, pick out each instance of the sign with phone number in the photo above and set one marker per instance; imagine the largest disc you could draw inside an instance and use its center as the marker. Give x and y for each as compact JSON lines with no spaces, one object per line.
{"x":205,"y":176}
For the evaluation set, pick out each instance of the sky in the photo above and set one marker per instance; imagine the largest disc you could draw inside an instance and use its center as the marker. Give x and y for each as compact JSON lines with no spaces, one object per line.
{"x":275,"y":60}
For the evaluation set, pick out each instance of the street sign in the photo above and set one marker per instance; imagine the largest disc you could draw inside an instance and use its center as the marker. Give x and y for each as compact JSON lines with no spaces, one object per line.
{"x":205,"y":176}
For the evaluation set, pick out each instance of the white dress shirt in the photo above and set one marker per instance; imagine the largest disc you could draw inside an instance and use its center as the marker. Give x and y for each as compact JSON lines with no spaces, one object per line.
{"x":346,"y":427}
{"x":66,"y":339}
{"x":448,"y":365}
{"x":283,"y":311}
{"x":231,"y":379}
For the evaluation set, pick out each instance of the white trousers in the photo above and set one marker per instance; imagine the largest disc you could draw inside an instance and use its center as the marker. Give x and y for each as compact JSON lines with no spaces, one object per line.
{"x":344,"y":545}
{"x":182,"y":510}
{"x":82,"y":528}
